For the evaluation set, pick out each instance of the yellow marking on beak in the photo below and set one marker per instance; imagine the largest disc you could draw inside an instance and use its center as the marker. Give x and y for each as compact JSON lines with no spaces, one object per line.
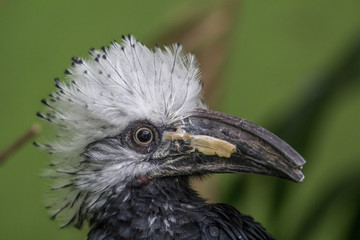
{"x":204,"y":144}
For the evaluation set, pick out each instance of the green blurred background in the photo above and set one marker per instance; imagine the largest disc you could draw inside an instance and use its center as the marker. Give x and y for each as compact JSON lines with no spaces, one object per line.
{"x":293,"y":67}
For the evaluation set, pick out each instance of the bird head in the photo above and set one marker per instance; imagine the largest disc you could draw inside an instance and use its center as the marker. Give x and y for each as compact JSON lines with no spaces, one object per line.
{"x":129,"y":115}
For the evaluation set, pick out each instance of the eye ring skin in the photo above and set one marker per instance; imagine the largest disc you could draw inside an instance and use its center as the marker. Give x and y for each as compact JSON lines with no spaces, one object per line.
{"x":130,"y":134}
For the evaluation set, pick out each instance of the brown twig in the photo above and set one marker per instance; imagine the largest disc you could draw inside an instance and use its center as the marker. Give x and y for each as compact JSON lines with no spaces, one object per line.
{"x":33,"y":131}
{"x":206,"y":32}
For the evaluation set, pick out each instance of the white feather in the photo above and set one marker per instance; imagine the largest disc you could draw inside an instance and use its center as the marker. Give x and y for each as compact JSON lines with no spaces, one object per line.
{"x":101,"y":96}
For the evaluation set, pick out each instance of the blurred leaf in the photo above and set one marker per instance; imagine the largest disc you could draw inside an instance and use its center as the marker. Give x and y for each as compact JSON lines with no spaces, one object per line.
{"x":349,"y":188}
{"x":297,"y":128}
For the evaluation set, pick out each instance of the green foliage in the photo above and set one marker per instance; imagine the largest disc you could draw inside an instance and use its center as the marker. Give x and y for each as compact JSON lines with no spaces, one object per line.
{"x":294,"y":68}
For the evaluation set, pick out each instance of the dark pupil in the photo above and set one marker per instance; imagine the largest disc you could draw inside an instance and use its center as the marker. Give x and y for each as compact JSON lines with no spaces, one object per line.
{"x":144,"y":135}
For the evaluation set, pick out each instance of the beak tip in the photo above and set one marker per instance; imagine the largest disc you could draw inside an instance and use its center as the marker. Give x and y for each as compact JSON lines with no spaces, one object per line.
{"x":300,"y":166}
{"x":297,"y":176}
{"x":302,"y":178}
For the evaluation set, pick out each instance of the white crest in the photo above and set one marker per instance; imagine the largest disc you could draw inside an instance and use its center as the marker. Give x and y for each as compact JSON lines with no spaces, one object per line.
{"x":120,"y":84}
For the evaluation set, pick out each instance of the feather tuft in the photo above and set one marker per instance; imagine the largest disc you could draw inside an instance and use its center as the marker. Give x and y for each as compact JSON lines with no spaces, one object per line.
{"x":100,"y":97}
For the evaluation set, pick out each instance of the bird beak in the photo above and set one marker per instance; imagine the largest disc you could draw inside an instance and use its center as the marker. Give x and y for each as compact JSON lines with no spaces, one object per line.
{"x":212,"y":142}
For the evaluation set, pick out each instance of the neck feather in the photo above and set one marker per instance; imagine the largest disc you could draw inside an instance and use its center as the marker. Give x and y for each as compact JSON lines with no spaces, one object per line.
{"x":147,"y":207}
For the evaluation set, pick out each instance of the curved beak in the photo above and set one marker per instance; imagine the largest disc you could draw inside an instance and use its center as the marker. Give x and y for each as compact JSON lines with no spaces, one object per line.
{"x":212,"y":142}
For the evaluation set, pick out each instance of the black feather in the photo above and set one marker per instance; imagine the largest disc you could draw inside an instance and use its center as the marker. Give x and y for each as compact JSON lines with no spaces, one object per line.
{"x":169,"y":209}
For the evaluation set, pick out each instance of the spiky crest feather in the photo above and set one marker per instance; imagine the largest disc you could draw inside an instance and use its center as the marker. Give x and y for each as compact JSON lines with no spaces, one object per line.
{"x":122,"y":83}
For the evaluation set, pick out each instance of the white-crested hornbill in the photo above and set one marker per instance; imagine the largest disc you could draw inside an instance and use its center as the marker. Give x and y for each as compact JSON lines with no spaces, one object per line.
{"x":131,"y":130}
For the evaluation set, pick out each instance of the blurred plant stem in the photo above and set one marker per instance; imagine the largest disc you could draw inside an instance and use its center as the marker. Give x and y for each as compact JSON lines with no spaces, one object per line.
{"x":206,"y":32}
{"x":21,"y":141}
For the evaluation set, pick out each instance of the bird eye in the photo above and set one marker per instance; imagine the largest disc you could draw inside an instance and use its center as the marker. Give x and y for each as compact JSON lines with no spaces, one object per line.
{"x":141,"y":136}
{"x":144,"y":135}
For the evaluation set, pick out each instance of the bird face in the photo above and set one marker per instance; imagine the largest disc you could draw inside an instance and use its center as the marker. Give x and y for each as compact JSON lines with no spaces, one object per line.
{"x":133,"y":115}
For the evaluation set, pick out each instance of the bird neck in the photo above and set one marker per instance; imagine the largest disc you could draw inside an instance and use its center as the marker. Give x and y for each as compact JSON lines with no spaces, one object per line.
{"x":162,"y":192}
{"x":145,"y":205}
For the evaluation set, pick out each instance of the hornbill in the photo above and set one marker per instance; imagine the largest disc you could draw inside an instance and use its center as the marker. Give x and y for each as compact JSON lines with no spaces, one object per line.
{"x":131,"y":130}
